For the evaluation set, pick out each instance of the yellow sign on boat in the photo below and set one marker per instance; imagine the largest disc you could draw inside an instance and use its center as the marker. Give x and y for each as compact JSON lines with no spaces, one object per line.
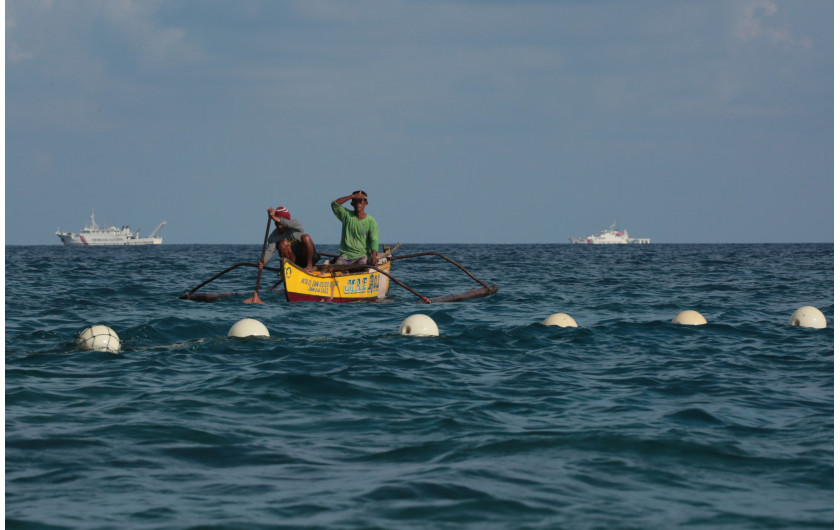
{"x":335,"y":284}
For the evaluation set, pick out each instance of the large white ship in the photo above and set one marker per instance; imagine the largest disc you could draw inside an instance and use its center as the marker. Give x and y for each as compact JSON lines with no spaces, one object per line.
{"x":610,"y":236}
{"x":95,"y":235}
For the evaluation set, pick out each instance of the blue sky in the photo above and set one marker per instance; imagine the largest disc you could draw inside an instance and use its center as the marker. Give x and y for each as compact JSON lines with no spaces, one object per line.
{"x":465,"y":121}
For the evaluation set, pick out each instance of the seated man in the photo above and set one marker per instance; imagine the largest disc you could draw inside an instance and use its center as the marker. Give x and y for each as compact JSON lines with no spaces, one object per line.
{"x":359,"y":231}
{"x":289,"y":238}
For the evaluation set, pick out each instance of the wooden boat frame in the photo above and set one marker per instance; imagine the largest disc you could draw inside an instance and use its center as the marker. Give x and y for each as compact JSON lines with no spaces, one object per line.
{"x":336,"y":283}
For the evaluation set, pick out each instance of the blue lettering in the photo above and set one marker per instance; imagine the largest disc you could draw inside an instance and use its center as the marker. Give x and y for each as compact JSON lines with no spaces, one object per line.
{"x":360,"y":285}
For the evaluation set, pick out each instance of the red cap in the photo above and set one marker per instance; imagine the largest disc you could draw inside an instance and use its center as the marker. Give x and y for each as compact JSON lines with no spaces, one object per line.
{"x":283,"y":212}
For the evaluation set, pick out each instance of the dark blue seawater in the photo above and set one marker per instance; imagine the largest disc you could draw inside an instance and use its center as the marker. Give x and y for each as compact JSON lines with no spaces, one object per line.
{"x":337,"y":421}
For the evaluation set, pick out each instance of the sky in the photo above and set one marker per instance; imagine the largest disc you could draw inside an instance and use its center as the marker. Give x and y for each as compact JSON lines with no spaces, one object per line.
{"x":465,"y":121}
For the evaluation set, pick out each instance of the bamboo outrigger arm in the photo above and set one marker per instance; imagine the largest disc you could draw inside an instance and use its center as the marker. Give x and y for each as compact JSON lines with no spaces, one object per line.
{"x":484,"y":290}
{"x":395,"y":258}
{"x":478,"y":292}
{"x":401,"y":284}
{"x":191,"y":295}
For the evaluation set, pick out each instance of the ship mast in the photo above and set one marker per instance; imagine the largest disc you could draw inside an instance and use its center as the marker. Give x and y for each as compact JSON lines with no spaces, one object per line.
{"x":92,"y":221}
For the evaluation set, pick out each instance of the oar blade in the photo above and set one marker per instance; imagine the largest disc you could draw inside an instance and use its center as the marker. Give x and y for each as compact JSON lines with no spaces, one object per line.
{"x":254,"y":299}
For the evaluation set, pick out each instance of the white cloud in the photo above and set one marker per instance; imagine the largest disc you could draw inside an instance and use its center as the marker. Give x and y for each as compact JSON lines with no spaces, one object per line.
{"x":753,"y":22}
{"x":15,"y":55}
{"x":153,"y":44}
{"x":60,"y":31}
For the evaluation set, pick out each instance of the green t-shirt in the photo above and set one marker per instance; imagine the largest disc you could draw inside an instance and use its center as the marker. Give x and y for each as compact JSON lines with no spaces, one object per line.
{"x":358,"y":237}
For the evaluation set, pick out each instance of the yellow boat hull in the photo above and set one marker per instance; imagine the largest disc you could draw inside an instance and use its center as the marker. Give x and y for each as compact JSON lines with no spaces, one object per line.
{"x":337,"y":286}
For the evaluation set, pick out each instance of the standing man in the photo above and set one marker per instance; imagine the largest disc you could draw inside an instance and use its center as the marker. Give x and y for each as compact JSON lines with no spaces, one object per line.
{"x":289,"y":238}
{"x":359,"y":231}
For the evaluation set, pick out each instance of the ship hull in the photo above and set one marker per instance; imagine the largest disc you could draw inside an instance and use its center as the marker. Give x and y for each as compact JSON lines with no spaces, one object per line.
{"x":593,"y":241}
{"x":72,"y":240}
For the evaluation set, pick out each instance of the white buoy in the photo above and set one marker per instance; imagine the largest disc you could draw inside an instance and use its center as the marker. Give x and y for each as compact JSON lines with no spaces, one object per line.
{"x":561,"y":320}
{"x":808,"y":317}
{"x":99,"y":338}
{"x":689,"y":318}
{"x":419,"y":325}
{"x":248,"y":327}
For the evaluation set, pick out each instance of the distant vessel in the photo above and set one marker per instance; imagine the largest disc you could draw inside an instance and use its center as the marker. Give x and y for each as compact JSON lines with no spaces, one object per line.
{"x":610,"y":236}
{"x":95,"y":235}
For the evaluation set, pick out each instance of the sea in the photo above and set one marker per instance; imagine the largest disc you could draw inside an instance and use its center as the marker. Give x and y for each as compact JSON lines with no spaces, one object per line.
{"x":500,"y":422}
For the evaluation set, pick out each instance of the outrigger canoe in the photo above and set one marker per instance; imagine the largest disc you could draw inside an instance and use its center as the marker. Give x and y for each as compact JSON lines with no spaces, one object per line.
{"x":342,"y":283}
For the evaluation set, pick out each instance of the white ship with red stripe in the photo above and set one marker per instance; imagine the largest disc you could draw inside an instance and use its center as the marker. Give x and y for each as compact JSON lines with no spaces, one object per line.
{"x":95,"y":235}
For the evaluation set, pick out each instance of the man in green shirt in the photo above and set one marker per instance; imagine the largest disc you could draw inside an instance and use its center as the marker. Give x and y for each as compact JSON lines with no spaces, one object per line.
{"x":359,"y":231}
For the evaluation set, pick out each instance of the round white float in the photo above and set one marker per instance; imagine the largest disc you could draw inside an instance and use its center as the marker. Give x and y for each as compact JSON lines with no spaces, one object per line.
{"x":561,"y":320}
{"x":99,"y":338}
{"x":419,"y":325}
{"x":689,"y":318}
{"x":248,"y":327}
{"x":808,"y":317}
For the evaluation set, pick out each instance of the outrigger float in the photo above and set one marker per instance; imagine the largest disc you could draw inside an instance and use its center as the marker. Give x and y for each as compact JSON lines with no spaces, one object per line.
{"x":342,"y":283}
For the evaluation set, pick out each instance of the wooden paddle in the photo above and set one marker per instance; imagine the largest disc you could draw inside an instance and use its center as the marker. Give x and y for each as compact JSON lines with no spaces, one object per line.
{"x":256,"y":299}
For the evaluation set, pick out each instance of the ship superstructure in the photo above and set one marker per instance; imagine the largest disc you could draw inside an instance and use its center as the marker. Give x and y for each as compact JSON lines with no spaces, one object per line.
{"x":610,"y":236}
